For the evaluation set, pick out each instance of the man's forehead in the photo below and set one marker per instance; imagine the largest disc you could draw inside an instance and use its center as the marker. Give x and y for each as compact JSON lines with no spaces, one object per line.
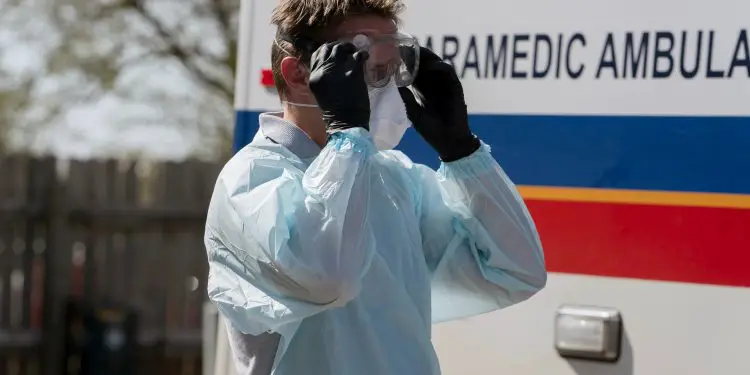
{"x":368,"y":25}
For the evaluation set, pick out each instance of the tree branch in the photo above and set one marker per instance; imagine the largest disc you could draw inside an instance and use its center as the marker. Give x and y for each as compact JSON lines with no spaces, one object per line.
{"x":223,"y":16}
{"x":222,"y":12}
{"x":178,"y":51}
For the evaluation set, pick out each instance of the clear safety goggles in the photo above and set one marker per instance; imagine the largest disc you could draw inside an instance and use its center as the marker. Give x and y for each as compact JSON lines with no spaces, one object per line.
{"x":392,"y":56}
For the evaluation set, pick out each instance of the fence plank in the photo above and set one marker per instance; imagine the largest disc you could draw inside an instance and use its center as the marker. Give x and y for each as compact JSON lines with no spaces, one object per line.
{"x":6,"y":261}
{"x":18,"y":342}
{"x":12,"y":198}
{"x":174,"y":197}
{"x":57,"y":260}
{"x":5,"y":268}
{"x":127,"y":195}
{"x":41,"y":188}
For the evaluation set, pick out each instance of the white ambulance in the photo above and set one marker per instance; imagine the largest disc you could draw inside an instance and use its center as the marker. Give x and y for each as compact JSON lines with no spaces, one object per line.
{"x":626,"y":126}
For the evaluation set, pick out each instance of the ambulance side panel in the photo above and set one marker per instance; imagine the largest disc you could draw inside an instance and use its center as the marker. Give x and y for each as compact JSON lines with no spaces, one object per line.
{"x":626,"y":126}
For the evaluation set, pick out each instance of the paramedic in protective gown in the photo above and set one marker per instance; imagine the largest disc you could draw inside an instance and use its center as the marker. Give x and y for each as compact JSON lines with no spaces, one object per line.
{"x":329,"y":252}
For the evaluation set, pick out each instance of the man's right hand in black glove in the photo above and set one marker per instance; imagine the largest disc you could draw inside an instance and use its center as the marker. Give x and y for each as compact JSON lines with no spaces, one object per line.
{"x":337,"y":80}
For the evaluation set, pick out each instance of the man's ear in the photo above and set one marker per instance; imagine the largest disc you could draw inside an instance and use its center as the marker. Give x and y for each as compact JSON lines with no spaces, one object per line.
{"x":295,"y":73}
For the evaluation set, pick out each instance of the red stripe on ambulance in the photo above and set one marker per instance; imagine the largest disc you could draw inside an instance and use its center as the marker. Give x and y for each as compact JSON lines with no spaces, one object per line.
{"x":669,"y":243}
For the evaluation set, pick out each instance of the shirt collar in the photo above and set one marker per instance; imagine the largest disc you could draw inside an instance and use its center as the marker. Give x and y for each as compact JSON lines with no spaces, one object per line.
{"x":285,"y":133}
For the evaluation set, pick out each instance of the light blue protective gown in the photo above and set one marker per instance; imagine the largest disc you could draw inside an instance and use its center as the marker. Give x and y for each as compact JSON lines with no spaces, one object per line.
{"x":351,"y":254}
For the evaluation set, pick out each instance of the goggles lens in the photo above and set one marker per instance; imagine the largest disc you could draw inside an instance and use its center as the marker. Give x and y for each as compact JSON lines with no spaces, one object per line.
{"x":393,"y":56}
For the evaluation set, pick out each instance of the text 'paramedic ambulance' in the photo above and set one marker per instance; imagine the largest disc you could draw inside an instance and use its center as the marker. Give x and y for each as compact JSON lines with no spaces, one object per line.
{"x":626,"y":126}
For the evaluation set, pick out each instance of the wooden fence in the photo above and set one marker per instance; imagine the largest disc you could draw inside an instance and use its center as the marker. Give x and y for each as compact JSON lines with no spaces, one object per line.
{"x":104,"y":232}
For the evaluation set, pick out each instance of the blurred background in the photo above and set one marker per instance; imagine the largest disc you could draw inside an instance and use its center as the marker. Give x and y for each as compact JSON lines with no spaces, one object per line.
{"x":115,"y":118}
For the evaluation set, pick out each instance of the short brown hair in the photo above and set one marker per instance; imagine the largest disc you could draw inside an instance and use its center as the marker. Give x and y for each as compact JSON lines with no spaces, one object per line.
{"x":312,"y":18}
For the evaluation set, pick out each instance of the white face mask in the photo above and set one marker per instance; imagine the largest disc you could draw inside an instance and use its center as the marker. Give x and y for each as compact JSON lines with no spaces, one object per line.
{"x":388,"y":120}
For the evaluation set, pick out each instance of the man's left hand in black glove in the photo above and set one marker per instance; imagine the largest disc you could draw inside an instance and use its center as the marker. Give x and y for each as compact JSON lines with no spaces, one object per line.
{"x":436,"y":107}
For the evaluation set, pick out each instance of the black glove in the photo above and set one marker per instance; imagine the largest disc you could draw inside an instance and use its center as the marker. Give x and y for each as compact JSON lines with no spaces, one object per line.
{"x":337,"y":80}
{"x":436,"y":107}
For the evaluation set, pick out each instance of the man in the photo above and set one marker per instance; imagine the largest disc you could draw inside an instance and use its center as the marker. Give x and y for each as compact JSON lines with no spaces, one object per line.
{"x":332,"y":254}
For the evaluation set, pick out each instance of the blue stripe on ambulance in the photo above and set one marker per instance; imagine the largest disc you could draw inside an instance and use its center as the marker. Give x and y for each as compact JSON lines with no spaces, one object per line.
{"x":698,"y":154}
